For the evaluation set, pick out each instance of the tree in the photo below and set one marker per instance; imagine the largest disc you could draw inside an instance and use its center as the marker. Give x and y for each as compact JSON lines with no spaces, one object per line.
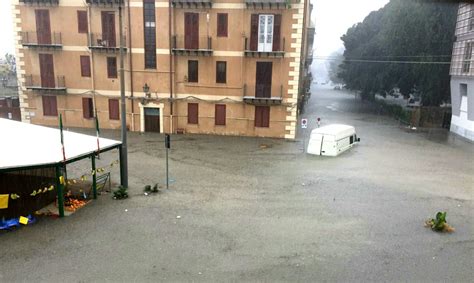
{"x":401,"y":31}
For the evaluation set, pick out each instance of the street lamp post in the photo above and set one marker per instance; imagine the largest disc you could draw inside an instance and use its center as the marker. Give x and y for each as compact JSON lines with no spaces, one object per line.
{"x":123,"y":116}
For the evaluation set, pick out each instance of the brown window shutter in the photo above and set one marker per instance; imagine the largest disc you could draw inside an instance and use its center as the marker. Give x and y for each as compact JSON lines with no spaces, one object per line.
{"x":85,"y":66}
{"x":222,"y":23}
{"x":43,"y":27}
{"x":114,"y":109}
{"x":193,"y":113}
{"x":86,"y":111}
{"x":276,"y":33}
{"x":111,"y":67}
{"x":254,"y":32}
{"x":46,"y":70}
{"x":266,"y":116}
{"x":262,"y":116}
{"x":50,"y":106}
{"x":82,"y":25}
{"x":220,"y":117}
{"x":193,"y":71}
{"x":221,"y":72}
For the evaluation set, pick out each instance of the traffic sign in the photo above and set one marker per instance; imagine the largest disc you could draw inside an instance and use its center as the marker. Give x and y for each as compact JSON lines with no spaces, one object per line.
{"x":304,"y":123}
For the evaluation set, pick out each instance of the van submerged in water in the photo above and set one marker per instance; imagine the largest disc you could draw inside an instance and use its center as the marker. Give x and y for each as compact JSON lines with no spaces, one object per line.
{"x":332,"y":140}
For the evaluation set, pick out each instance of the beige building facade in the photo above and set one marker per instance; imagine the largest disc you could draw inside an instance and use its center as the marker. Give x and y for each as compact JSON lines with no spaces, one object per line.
{"x":225,"y":67}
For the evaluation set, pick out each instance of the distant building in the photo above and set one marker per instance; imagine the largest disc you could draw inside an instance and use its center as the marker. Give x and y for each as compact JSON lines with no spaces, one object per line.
{"x":231,"y":67}
{"x":462,"y":74}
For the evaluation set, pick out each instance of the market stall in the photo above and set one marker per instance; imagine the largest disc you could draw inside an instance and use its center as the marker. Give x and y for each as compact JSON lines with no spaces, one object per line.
{"x":33,"y":163}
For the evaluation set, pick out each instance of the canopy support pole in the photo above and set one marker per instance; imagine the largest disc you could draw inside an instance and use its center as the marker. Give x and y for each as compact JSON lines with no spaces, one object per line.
{"x":94,"y":177}
{"x":59,"y":186}
{"x":122,"y":167}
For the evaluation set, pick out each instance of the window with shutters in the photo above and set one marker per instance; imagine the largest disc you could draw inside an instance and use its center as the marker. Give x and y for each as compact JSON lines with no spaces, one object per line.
{"x":265,"y":32}
{"x":82,"y":25}
{"x":87,"y":107}
{"x":221,"y":72}
{"x":112,"y":67}
{"x":262,"y":116}
{"x":220,"y":115}
{"x":193,"y":71}
{"x":222,"y":25}
{"x":85,"y":66}
{"x":193,"y":113}
{"x":50,"y":106}
{"x":149,"y":27}
{"x":114,"y":109}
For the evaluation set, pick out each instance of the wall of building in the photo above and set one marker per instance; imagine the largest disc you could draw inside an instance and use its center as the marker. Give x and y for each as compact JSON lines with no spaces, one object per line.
{"x":462,"y":73}
{"x":241,"y":70}
{"x":462,"y":121}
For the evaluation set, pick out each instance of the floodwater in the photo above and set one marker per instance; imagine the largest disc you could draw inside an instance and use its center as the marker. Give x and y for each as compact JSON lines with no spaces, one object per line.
{"x":249,"y":212}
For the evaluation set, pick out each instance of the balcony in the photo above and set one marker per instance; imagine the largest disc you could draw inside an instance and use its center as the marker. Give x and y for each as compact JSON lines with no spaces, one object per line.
{"x":106,"y":43}
{"x":105,"y":2}
{"x":267,"y":4}
{"x":192,"y":3}
{"x":278,"y":50}
{"x":309,"y":58}
{"x":38,"y":83}
{"x":261,"y":95}
{"x":41,"y":2}
{"x":192,"y":46}
{"x":31,"y":39}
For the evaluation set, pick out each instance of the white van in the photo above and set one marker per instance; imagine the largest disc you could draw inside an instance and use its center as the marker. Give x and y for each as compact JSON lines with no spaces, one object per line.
{"x":332,"y":140}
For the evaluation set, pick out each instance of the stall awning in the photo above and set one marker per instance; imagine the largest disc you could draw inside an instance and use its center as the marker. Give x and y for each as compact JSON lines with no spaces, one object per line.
{"x":27,"y":145}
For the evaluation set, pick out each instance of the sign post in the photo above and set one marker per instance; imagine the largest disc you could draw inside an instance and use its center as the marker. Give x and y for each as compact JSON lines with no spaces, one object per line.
{"x":168,"y":146}
{"x":304,"y":125}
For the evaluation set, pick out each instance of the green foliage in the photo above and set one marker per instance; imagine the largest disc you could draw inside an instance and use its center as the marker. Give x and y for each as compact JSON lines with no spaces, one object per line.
{"x":401,"y":31}
{"x":440,"y":221}
{"x":155,"y":188}
{"x":121,"y":193}
{"x":147,"y":189}
{"x":395,"y":110}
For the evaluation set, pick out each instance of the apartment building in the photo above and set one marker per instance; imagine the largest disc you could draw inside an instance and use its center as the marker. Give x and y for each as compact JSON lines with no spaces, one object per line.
{"x":462,"y":74}
{"x":230,"y":67}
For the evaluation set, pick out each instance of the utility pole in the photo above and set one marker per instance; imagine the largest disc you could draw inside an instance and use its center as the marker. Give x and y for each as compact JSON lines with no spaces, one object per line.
{"x":171,"y":41}
{"x":123,"y":116}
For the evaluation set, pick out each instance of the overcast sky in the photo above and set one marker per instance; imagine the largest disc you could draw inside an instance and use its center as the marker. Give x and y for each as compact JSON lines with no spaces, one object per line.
{"x":332,"y":19}
{"x":6,"y":30}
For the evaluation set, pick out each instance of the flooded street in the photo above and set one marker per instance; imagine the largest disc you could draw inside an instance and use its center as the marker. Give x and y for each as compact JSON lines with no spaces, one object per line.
{"x":255,"y":209}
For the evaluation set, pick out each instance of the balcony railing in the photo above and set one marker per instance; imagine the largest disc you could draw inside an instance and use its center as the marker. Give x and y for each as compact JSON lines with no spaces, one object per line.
{"x":102,"y":42}
{"x":193,"y":46}
{"x":105,"y":2}
{"x":260,"y":94}
{"x":192,"y":3}
{"x":40,"y":2}
{"x":36,"y":82}
{"x":265,"y":4}
{"x":31,"y":39}
{"x":278,"y":50}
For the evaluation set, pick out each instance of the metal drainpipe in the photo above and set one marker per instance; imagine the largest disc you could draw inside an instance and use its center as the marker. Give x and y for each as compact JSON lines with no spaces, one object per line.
{"x":89,"y":41}
{"x":131,"y":64}
{"x":171,"y":65}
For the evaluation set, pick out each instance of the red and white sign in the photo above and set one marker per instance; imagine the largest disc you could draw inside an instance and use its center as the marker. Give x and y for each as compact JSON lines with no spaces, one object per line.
{"x":304,"y":123}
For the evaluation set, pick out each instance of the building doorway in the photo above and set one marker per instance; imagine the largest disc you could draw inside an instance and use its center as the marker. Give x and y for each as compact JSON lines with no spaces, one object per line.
{"x":152,"y":119}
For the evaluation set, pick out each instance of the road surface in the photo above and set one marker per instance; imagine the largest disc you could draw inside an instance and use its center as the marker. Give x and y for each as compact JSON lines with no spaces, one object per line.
{"x":261,"y":210}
